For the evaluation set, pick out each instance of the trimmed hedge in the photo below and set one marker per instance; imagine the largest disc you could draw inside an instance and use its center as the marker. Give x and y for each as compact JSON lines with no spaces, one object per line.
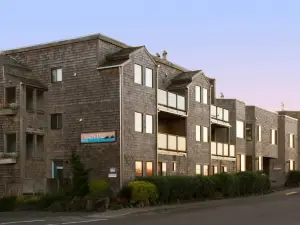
{"x":293,"y":179}
{"x":8,"y":203}
{"x":172,"y":189}
{"x":99,"y":188}
{"x":143,"y":191}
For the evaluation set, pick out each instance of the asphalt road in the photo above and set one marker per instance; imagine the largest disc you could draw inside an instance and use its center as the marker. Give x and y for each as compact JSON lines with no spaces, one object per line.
{"x":279,"y":209}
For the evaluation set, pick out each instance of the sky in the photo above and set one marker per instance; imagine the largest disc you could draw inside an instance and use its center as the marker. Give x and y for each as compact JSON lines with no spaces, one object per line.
{"x":251,"y":47}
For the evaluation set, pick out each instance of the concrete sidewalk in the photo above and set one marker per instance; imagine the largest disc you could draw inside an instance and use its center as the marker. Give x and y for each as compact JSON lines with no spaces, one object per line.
{"x":196,"y":205}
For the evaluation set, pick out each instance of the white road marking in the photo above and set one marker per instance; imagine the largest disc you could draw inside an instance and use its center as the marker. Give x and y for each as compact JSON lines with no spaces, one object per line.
{"x":291,"y":193}
{"x":75,"y":222}
{"x":26,"y":221}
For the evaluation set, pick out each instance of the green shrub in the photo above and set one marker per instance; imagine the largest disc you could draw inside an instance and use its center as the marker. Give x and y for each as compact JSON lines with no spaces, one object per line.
{"x":226,"y":184}
{"x":125,"y":193}
{"x":293,"y":179}
{"x":47,"y":200}
{"x":204,"y":187}
{"x":99,"y":188}
{"x":143,"y":191}
{"x":8,"y":203}
{"x":181,"y":188}
{"x":162,"y":185}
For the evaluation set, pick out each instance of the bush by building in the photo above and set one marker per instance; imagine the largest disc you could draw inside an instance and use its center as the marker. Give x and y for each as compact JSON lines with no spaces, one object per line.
{"x":293,"y":179}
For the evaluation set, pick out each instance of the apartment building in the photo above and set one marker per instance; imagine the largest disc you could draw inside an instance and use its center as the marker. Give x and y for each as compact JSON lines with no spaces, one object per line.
{"x":262,"y":139}
{"x":126,"y":112}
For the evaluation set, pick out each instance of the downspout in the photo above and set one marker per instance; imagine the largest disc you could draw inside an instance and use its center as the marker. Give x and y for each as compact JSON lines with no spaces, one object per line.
{"x":210,"y":166}
{"x":121,"y":126}
{"x":156,"y":92}
{"x":22,"y":152}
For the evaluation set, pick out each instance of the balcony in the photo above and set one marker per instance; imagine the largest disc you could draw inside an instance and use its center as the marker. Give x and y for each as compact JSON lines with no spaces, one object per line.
{"x":8,"y":157}
{"x":222,"y":151}
{"x":171,"y":102}
{"x":7,"y":109}
{"x":172,"y":143}
{"x":219,"y":115}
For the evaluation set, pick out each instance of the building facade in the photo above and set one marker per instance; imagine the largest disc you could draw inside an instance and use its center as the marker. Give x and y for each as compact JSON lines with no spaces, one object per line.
{"x":126,"y":112}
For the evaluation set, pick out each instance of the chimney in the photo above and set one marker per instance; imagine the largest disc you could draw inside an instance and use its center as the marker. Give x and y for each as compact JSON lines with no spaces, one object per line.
{"x":164,"y":55}
{"x":158,"y":55}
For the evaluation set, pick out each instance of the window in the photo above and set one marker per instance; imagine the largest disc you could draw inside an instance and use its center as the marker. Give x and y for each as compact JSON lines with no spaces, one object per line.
{"x":249,"y":132}
{"x":29,"y":145}
{"x":149,"y":168}
{"x":205,"y":170}
{"x":198,"y":94}
{"x":162,"y":169}
{"x":10,"y":95}
{"x":11,"y":142}
{"x":273,"y":137}
{"x":292,"y":165}
{"x":149,"y":77}
{"x":198,"y":169}
{"x":40,"y":145}
{"x":40,"y":99}
{"x":138,"y":122}
{"x":204,"y":96}
{"x":149,"y":124}
{"x":137,"y":74}
{"x":243,"y":162}
{"x":198,"y":133}
{"x":174,"y":166}
{"x":224,"y":169}
{"x":258,"y":133}
{"x":292,"y":141}
{"x":138,"y":168}
{"x":239,"y":129}
{"x":260,"y":163}
{"x":205,"y":134}
{"x":215,"y":169}
{"x":56,"y":75}
{"x":29,"y":99}
{"x":56,"y":121}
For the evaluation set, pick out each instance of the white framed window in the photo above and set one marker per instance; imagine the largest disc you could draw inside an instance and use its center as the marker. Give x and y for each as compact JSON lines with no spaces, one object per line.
{"x":138,"y":122}
{"x":292,"y":165}
{"x":198,"y":94}
{"x":149,"y":124}
{"x":198,"y":169}
{"x":205,"y":134}
{"x":260,"y":163}
{"x":259,"y":133}
{"x":273,"y":137}
{"x":215,"y":168}
{"x":164,"y":168}
{"x":56,"y":75}
{"x":198,"y":133}
{"x":240,"y":129}
{"x":224,"y":169}
{"x":292,"y":141}
{"x":243,"y":162}
{"x":205,"y":170}
{"x":174,"y":166}
{"x":204,"y":96}
{"x":149,"y":78}
{"x":138,"y":74}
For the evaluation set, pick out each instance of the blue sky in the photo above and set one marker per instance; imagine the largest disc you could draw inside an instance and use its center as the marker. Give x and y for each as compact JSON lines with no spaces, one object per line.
{"x":251,"y":47}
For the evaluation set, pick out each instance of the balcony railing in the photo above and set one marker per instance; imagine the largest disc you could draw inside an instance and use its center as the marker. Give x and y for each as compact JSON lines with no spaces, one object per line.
{"x":171,"y":100}
{"x":219,"y":113}
{"x":171,"y":142}
{"x":221,"y":149}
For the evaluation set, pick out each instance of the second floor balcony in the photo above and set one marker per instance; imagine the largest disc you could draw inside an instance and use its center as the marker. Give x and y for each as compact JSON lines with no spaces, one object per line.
{"x":171,"y":102}
{"x":222,"y":150}
{"x":171,"y":142}
{"x":219,"y":115}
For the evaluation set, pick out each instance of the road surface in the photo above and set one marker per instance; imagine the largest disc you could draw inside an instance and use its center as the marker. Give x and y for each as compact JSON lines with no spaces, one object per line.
{"x":276,"y":210}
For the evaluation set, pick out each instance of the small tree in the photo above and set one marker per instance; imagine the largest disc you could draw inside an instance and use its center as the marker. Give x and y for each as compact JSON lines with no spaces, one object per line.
{"x":80,"y":180}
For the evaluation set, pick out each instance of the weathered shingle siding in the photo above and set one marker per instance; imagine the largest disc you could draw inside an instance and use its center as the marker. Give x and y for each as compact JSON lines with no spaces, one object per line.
{"x":198,"y":114}
{"x":138,"y":98}
{"x":84,"y":94}
{"x":166,"y":74}
{"x":237,"y":111}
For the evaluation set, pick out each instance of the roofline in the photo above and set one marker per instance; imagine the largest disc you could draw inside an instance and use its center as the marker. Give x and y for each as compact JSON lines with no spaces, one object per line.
{"x":289,"y":117}
{"x":231,"y":99}
{"x":68,"y":41}
{"x":114,"y":66}
{"x":256,"y":107}
{"x":89,"y":38}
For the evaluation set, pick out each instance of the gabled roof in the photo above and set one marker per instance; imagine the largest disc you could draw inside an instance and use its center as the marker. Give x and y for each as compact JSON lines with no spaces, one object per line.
{"x":8,"y":60}
{"x":29,"y":82}
{"x":185,"y":77}
{"x":123,"y":53}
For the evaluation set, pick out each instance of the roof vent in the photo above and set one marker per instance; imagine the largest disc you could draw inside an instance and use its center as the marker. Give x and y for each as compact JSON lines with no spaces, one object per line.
{"x":164,"y":54}
{"x":158,"y":55}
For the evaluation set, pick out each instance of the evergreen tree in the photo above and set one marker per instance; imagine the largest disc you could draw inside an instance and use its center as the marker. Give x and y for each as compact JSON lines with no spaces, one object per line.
{"x":80,"y":180}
